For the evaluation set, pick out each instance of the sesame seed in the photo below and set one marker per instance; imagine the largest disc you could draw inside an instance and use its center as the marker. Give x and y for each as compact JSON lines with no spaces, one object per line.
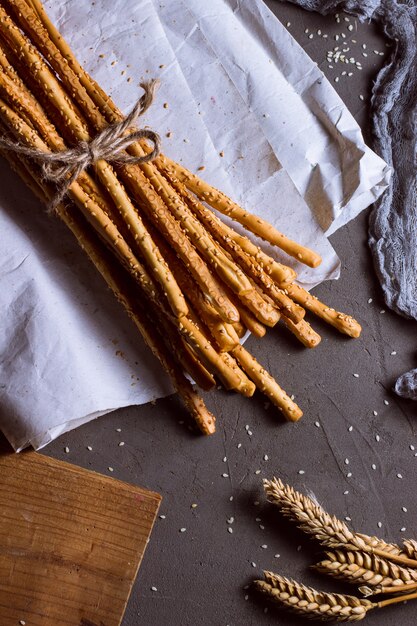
{"x":264,"y":546}
{"x":89,"y":448}
{"x":231,"y":499}
{"x":403,"y":529}
{"x":364,"y":46}
{"x":377,"y":438}
{"x":230,"y":530}
{"x":361,"y":97}
{"x":288,"y":24}
{"x":154,"y":589}
{"x":386,"y":402}
{"x":250,"y":433}
{"x":110,"y":469}
{"x":345,"y":493}
{"x":379,"y":524}
{"x":122,"y":443}
{"x":349,"y":475}
{"x":375,"y":413}
{"x":350,"y":429}
{"x":299,"y":548}
{"x":230,"y":520}
{"x":306,"y":31}
{"x":364,"y":55}
{"x":162,"y":517}
{"x":369,"y":300}
{"x":346,"y":461}
{"x":373,"y":466}
{"x":336,"y":80}
{"x":246,"y":597}
{"x":225,"y":475}
{"x":258,"y":519}
{"x":239,"y":445}
{"x":261,"y":527}
{"x":350,"y":27}
{"x":348,"y":519}
{"x":311,"y":36}
{"x":399,"y":476}
{"x":224,"y":459}
{"x":317,"y":424}
{"x":266,"y":457}
{"x":257,"y":472}
{"x":182,"y":530}
{"x":118,"y":430}
{"x":22,"y":622}
{"x":376,"y":51}
{"x":194,"y":505}
{"x":356,"y":375}
{"x":256,"y":503}
{"x":404,"y":509}
{"x":301,"y":472}
{"x":382,"y":311}
{"x":411,"y":447}
{"x":276,"y":556}
{"x":393,"y":353}
{"x":66,"y":449}
{"x":253,"y":564}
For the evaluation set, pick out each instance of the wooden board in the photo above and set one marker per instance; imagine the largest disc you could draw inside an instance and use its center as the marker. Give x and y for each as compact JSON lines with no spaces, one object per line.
{"x":71,"y":542}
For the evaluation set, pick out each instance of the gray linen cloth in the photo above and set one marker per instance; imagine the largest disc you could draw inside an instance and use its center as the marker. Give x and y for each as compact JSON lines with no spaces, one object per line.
{"x":393,"y":220}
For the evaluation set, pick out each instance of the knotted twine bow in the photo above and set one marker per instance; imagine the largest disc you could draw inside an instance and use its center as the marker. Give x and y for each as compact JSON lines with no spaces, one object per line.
{"x":63,"y":168}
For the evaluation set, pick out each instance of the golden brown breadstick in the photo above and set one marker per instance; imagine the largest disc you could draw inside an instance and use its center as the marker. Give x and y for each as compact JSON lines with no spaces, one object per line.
{"x":344,"y":323}
{"x":218,"y":200}
{"x":303,"y":331}
{"x":246,"y":261}
{"x":267,"y":384}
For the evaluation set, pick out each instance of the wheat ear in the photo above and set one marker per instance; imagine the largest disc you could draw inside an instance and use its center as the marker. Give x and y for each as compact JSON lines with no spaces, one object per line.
{"x":310,"y":603}
{"x":362,"y":568}
{"x":410,"y":548}
{"x":328,"y":529}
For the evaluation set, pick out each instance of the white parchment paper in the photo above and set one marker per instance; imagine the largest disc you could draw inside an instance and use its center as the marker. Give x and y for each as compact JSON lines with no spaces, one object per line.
{"x":235,"y":84}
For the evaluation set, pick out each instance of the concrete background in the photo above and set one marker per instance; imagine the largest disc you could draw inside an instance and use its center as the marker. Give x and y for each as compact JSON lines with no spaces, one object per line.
{"x":200,"y":573}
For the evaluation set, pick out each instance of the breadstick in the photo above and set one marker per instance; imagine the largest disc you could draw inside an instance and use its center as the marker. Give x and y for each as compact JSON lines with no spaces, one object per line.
{"x":218,"y":200}
{"x":267,"y":384}
{"x":282,"y":274}
{"x":246,"y":262}
{"x":303,"y":331}
{"x":344,"y":323}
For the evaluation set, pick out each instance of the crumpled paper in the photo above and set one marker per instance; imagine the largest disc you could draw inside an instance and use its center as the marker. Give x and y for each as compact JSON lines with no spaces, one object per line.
{"x":242,"y":99}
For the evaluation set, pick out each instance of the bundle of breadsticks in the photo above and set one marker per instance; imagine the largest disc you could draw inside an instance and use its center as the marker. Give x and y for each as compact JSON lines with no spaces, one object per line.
{"x":192,"y":284}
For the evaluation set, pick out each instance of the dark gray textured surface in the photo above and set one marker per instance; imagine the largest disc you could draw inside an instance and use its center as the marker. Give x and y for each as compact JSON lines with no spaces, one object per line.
{"x":200,"y":573}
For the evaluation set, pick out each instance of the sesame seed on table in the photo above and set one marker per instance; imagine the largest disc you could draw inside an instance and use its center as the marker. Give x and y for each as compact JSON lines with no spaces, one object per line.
{"x":215,"y":532}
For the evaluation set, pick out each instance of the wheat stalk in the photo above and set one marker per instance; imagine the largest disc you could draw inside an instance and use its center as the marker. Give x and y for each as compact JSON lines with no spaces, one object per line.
{"x":367,"y":569}
{"x":328,"y":529}
{"x":310,"y":603}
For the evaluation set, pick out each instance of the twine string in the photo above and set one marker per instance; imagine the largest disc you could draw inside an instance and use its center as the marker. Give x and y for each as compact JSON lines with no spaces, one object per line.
{"x":64,"y":167}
